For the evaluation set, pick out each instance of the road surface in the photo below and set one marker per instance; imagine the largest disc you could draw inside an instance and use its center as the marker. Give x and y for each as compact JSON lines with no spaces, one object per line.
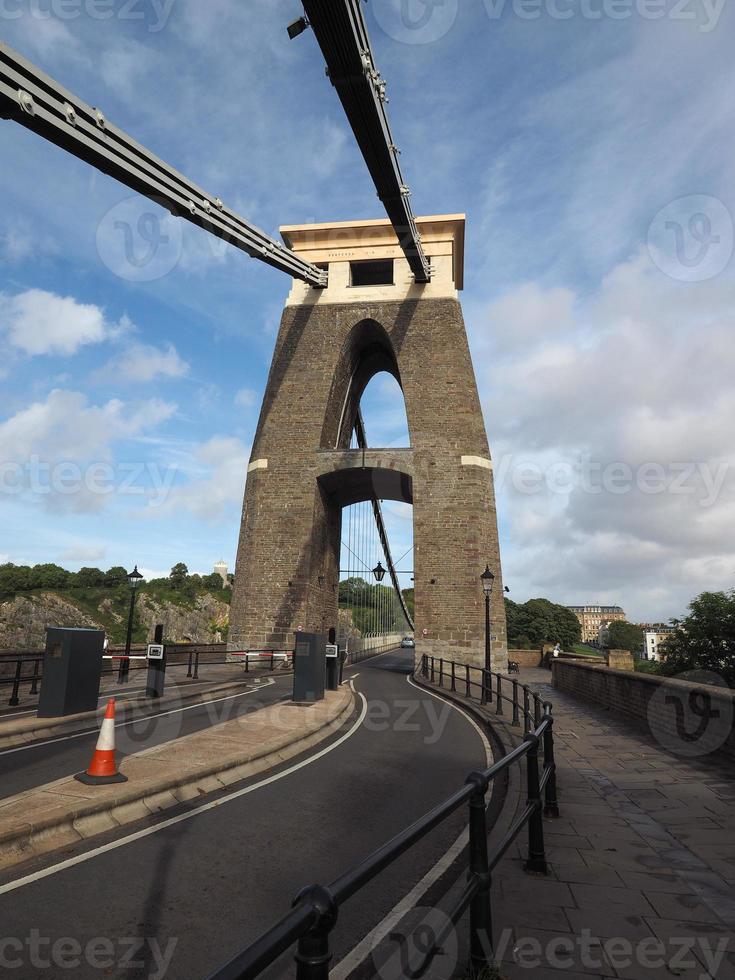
{"x":183,"y":899}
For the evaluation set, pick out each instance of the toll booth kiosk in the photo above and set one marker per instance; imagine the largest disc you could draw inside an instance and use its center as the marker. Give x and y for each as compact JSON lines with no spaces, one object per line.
{"x":72,"y":667}
{"x":309,"y":667}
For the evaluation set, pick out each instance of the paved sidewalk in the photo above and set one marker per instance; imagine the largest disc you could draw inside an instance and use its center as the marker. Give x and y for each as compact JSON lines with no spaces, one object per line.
{"x":66,"y":811}
{"x":642,"y":860}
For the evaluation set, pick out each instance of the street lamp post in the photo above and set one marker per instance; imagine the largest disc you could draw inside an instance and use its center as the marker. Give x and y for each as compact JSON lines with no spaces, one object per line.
{"x":134,"y":580}
{"x":487,"y":578}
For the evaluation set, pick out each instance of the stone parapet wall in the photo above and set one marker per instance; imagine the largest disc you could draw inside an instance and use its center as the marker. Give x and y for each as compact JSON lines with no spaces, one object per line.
{"x":691,"y":720}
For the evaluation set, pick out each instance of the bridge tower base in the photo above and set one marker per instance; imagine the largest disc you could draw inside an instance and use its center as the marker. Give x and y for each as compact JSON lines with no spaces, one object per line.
{"x":302,"y":472}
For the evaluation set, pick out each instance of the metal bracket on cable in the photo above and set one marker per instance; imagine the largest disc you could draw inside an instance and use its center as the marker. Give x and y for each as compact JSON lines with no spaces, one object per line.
{"x":38,"y":102}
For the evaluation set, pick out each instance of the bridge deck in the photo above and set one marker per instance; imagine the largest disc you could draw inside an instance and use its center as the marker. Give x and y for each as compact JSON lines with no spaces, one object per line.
{"x":644,"y":850}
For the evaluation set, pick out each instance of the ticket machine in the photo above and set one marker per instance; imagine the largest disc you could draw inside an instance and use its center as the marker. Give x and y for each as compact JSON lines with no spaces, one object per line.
{"x":309,"y":667}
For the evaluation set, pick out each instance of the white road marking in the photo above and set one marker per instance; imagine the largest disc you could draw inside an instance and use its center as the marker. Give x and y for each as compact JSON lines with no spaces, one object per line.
{"x":172,"y":821}
{"x":363,"y":949}
{"x":133,"y":721}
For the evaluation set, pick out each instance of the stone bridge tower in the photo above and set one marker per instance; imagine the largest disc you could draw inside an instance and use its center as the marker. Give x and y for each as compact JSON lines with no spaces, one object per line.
{"x":372,"y":317}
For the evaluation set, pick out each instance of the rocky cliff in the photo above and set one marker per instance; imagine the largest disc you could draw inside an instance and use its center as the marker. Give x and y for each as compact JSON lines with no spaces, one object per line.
{"x":23,"y":620}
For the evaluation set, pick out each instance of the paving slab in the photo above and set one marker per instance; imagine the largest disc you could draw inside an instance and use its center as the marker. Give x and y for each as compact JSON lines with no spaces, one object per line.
{"x":642,"y":854}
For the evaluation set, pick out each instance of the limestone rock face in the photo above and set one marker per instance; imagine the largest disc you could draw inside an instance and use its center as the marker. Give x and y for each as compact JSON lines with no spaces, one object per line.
{"x":24,"y":619}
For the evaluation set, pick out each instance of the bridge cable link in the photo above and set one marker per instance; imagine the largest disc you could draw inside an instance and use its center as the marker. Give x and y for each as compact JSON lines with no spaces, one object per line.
{"x":342,"y":35}
{"x":361,"y":438}
{"x":38,"y":102}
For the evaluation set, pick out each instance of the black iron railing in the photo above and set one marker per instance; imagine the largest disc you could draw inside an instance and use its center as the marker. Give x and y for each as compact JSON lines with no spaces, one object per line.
{"x":17,"y":677}
{"x":28,"y":669}
{"x":316,"y":908}
{"x":487,"y":687}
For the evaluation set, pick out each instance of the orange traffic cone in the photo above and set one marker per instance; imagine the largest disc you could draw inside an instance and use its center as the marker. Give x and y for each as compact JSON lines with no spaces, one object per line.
{"x":102,"y":768}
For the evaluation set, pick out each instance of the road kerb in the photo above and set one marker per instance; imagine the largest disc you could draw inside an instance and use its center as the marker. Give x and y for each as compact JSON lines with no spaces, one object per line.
{"x":63,"y":813}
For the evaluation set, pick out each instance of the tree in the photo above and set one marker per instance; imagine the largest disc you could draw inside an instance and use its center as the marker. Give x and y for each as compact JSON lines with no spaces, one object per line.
{"x":539,"y":621}
{"x":50,"y":577}
{"x":90,"y":578}
{"x":705,"y":640}
{"x":212,"y":582}
{"x":624,"y":636}
{"x":179,"y":575}
{"x":117,"y":575}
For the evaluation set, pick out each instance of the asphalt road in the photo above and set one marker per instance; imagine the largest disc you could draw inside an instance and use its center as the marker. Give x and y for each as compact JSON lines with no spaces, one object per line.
{"x":33,"y":765}
{"x":193,"y":893}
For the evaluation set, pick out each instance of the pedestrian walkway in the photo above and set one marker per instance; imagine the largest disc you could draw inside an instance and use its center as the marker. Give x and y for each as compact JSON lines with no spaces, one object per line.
{"x":641,"y":860}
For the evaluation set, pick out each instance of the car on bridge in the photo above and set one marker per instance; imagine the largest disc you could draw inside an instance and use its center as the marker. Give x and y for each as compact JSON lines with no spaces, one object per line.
{"x":408,"y":643}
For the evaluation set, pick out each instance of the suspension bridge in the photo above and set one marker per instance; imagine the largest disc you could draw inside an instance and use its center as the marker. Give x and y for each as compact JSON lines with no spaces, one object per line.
{"x":366,"y":297}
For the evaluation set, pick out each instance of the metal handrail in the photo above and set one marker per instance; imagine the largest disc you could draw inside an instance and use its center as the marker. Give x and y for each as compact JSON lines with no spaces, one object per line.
{"x":17,"y":678}
{"x":315,"y":908}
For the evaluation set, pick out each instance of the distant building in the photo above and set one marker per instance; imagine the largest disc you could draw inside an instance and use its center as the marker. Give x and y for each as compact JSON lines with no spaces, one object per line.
{"x":220,"y":569}
{"x":652,"y":640}
{"x":593,"y":618}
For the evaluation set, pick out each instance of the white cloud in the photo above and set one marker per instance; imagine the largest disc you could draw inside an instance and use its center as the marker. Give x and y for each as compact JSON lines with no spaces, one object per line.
{"x":216,"y":472}
{"x":246,"y":398}
{"x":60,"y":452}
{"x":144,"y":362}
{"x":82,"y":553}
{"x":612,"y":436}
{"x":39,"y":322}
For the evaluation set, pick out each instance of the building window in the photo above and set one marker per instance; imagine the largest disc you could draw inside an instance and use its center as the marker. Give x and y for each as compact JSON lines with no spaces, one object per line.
{"x":374,"y":273}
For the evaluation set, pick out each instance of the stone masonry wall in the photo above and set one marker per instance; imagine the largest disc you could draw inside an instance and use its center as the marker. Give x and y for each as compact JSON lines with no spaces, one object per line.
{"x":689,"y":719}
{"x":288,"y":554}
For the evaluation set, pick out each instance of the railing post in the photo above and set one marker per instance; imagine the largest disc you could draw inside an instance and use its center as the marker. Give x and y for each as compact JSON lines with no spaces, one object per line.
{"x":468,"y":688}
{"x":454,"y":680}
{"x":515,"y":702}
{"x":34,"y":680}
{"x":432,"y":670}
{"x":526,"y":710}
{"x":536,"y":710}
{"x":313,"y":955}
{"x":498,"y":695}
{"x":536,"y":862}
{"x":196,"y":665}
{"x":551,"y":806}
{"x":483,"y":685}
{"x":273,"y":654}
{"x":188,"y":673}
{"x":16,"y":683}
{"x":481,"y":928}
{"x":441,"y":671}
{"x":247,"y":662}
{"x":424,"y":665}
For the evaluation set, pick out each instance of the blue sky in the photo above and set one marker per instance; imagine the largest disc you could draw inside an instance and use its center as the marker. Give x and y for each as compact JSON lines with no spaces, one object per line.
{"x":590,"y":143}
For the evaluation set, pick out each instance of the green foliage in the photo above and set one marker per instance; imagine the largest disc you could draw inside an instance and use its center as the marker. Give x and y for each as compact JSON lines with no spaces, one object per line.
{"x":117,"y":575}
{"x":213,"y":582}
{"x":89,"y":578}
{"x":540,"y":621}
{"x":179,"y":575}
{"x":374,"y":607}
{"x":625,"y":636}
{"x":705,"y":640}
